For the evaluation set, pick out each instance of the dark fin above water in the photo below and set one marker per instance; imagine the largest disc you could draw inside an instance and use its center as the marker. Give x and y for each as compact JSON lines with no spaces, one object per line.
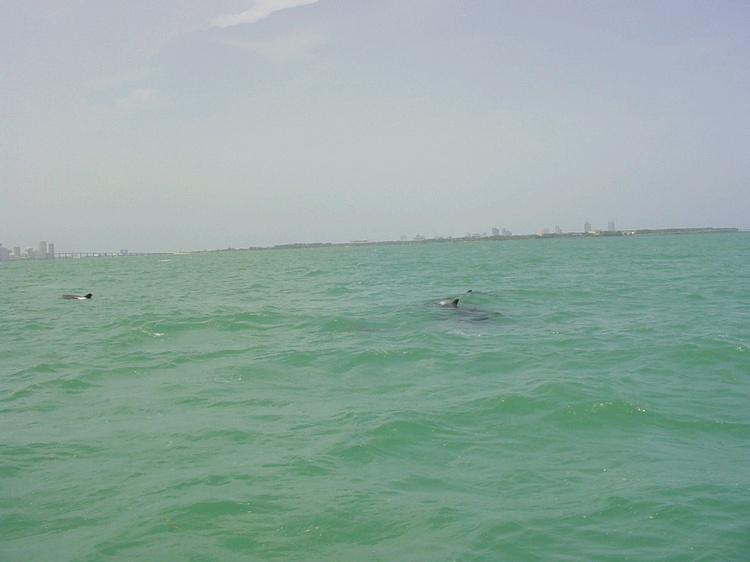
{"x":454,"y":302}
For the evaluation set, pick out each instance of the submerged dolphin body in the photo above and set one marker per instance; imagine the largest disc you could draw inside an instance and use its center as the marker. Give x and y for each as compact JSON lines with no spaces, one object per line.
{"x":78,"y":297}
{"x":469,"y":312}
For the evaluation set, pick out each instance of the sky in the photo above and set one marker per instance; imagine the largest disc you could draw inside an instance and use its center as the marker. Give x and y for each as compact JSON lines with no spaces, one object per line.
{"x":191,"y":125}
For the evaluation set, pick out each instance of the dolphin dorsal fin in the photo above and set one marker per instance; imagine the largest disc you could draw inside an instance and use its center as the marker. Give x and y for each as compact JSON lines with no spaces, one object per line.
{"x":454,"y":302}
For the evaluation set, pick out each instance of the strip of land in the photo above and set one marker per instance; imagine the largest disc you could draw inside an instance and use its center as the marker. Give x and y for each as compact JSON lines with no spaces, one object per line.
{"x":7,"y":256}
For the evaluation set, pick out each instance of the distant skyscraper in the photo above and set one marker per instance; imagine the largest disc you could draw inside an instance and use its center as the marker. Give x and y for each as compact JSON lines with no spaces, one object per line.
{"x":558,"y":230}
{"x":587,"y":227}
{"x":42,"y":249}
{"x":51,"y":250}
{"x":495,"y":232}
{"x":611,"y":226}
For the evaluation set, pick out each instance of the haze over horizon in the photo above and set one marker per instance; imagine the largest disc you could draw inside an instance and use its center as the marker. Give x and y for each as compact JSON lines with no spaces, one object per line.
{"x":194,"y":125}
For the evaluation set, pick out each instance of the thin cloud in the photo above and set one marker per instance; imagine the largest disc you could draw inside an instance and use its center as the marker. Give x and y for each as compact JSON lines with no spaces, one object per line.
{"x":261,"y":9}
{"x":142,"y":98}
{"x":293,"y":47}
{"x":136,"y":101}
{"x":119,"y":79}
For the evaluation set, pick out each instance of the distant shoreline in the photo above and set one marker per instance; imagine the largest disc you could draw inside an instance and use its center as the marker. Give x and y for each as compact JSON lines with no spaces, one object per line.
{"x":440,"y":240}
{"x":417,"y":240}
{"x":593,"y":234}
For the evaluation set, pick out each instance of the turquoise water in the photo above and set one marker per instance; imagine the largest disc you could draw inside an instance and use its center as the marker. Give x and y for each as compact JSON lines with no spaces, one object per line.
{"x":589,"y":400}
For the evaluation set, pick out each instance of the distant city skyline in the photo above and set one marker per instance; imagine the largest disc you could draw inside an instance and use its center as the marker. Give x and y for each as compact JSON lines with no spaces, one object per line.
{"x":47,"y":250}
{"x":44,"y":250}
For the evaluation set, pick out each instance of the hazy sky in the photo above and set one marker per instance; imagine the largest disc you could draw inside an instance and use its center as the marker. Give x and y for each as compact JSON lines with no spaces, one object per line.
{"x":192,"y":124}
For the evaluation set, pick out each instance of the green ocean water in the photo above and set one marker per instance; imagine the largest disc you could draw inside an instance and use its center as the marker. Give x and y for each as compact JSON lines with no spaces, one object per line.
{"x":588,"y":400}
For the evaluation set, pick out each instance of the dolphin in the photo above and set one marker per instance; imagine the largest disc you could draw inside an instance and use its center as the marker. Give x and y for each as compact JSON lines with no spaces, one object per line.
{"x":454,"y":302}
{"x":468,"y":311}
{"x":78,"y":297}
